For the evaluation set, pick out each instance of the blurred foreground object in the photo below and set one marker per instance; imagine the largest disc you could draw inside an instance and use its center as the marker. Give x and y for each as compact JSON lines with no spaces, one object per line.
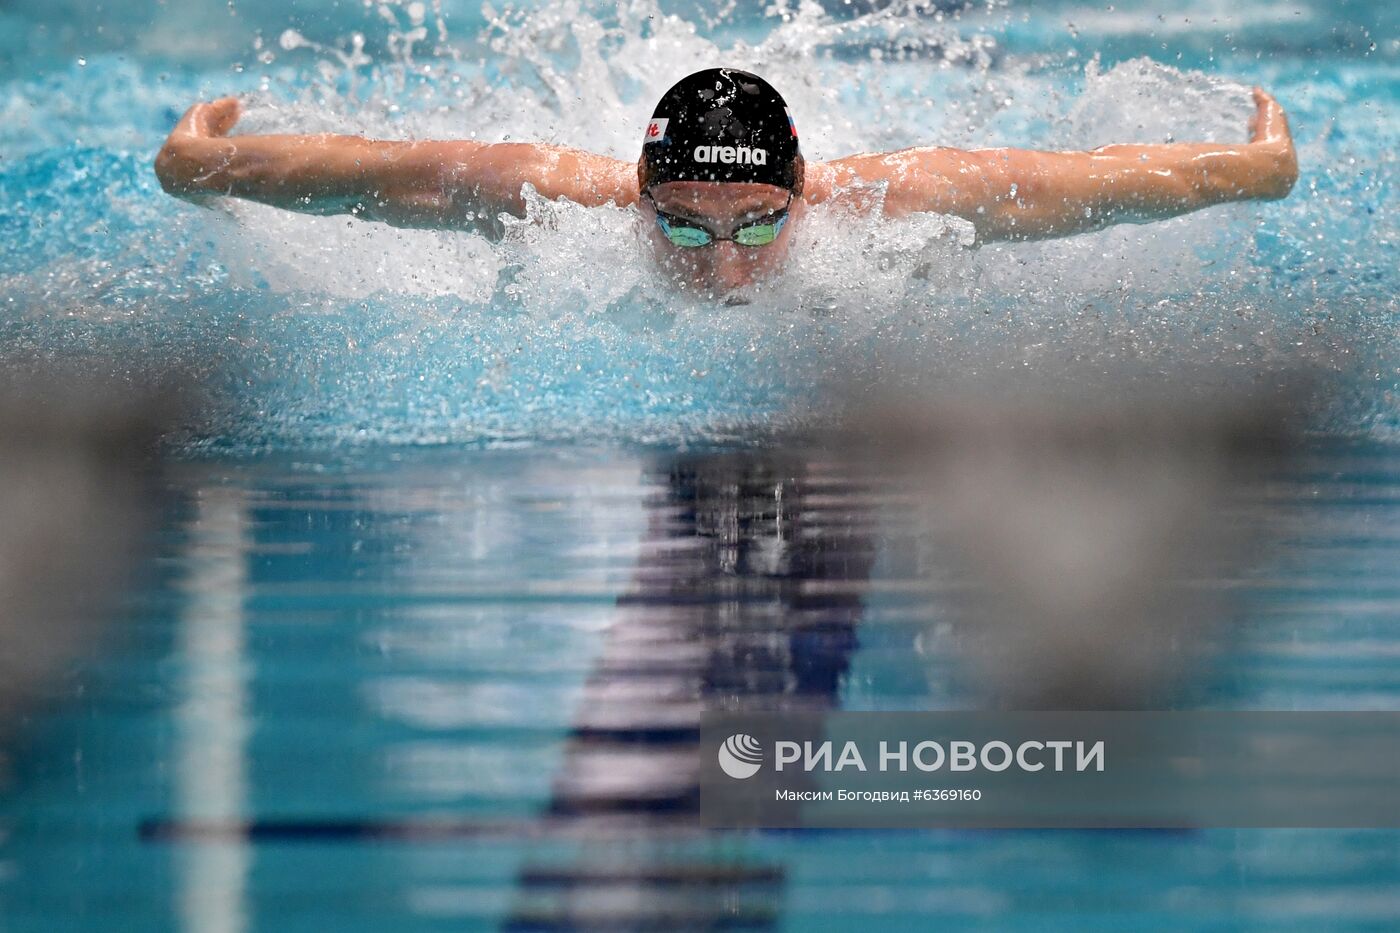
{"x":75,"y":457}
{"x":1090,"y":543}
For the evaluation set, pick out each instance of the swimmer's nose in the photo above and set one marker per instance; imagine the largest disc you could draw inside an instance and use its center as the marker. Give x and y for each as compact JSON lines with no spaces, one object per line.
{"x":731,"y":268}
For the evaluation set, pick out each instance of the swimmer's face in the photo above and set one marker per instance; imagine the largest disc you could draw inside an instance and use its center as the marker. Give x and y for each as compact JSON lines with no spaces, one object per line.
{"x":719,"y":207}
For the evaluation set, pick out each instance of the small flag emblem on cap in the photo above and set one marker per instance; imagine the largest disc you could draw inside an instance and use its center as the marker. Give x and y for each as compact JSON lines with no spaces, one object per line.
{"x":791,"y":125}
{"x":656,"y":130}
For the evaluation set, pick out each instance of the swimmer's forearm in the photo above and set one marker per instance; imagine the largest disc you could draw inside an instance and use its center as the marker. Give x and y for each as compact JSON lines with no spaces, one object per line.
{"x":1047,"y":194}
{"x":454,"y":184}
{"x":403,"y":182}
{"x":1021,"y":194}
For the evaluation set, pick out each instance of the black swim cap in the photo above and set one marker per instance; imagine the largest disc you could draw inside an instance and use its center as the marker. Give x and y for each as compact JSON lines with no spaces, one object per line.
{"x":721,"y":124}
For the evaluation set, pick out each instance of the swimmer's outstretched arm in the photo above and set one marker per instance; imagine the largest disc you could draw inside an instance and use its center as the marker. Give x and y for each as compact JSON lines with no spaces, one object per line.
{"x":451,"y":185}
{"x":1018,"y":194}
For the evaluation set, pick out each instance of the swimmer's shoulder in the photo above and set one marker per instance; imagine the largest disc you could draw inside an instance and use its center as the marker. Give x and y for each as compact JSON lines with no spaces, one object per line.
{"x":825,"y":181}
{"x":555,"y":171}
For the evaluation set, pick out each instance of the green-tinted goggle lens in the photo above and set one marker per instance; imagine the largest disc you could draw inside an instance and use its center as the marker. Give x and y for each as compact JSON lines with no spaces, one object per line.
{"x":758,"y":234}
{"x":687,"y":237}
{"x":684,"y":236}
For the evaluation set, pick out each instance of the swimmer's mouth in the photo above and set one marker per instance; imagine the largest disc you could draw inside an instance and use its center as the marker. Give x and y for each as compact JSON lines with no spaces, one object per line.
{"x":735,"y":300}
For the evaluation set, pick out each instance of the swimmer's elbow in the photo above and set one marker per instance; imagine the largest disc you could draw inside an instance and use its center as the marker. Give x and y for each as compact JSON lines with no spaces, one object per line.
{"x":421,"y":209}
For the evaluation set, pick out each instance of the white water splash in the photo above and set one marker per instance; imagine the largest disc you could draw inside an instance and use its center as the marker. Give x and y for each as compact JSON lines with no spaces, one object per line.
{"x":562,"y":329}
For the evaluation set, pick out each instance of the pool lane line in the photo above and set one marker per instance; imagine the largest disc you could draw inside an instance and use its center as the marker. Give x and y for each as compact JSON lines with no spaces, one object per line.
{"x":718,"y":614}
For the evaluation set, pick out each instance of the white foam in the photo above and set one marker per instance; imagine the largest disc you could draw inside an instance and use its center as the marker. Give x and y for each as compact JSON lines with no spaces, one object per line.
{"x":563,"y":327}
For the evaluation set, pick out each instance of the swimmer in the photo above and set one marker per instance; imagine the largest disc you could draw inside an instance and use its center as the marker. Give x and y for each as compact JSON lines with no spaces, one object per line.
{"x":721,"y":182}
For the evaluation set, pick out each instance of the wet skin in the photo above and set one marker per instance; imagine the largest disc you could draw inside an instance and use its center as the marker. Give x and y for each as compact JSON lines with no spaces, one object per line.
{"x":1005,"y":193}
{"x":723,"y":266}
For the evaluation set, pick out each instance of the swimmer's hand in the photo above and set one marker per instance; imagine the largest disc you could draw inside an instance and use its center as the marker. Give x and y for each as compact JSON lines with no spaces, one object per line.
{"x":1023,"y":194}
{"x":1271,"y":144}
{"x":195,"y":150}
{"x":448,"y":184}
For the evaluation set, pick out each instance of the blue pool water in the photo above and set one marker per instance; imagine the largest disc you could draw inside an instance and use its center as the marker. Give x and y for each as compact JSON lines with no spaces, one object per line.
{"x":359,"y":693}
{"x":446,"y":563}
{"x":560,"y":332}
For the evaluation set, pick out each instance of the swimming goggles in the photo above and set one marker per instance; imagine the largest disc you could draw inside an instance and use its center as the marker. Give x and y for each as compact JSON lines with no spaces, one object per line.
{"x":687,"y":234}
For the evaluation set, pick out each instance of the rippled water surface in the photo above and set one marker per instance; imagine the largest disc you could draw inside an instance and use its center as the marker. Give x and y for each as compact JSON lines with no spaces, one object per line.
{"x":467,"y":534}
{"x":460,"y":691}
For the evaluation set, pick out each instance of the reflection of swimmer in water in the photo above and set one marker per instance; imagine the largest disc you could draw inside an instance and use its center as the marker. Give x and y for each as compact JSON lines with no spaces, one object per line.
{"x":722,"y":177}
